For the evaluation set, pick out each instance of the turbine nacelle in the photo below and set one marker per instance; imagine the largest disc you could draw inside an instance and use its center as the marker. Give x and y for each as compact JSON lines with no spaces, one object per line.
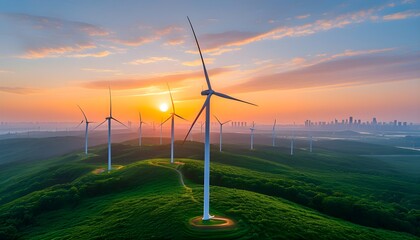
{"x":207,"y":92}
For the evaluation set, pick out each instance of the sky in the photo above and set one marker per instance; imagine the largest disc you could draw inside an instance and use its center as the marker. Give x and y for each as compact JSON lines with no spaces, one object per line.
{"x":297,"y":60}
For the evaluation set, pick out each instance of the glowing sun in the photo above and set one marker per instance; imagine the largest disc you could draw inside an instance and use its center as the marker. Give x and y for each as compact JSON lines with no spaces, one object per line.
{"x":163,"y":107}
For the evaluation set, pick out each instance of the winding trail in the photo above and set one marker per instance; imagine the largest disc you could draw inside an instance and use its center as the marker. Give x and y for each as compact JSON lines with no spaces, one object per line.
{"x":181,"y":177}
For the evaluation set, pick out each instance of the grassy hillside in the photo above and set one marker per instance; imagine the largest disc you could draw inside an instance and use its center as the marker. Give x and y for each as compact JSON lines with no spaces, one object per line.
{"x":267,"y":192}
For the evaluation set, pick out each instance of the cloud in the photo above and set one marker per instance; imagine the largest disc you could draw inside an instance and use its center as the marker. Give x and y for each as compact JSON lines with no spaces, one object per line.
{"x":41,"y":36}
{"x":150,"y":60}
{"x":216,"y":42}
{"x":198,"y":62}
{"x":18,"y":90}
{"x":100,"y":70}
{"x":171,"y":32}
{"x":55,"y":51}
{"x":174,"y":79}
{"x":174,"y":42}
{"x":96,"y":55}
{"x":401,"y":15}
{"x":354,"y":70}
{"x":5,"y":71}
{"x":303,"y":16}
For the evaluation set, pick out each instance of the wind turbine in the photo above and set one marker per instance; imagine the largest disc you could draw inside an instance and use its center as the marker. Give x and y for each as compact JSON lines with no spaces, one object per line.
{"x":292,"y":141}
{"x":209,"y":92}
{"x":274,"y":133}
{"x":140,"y":124}
{"x":221,"y":132}
{"x":310,"y":143}
{"x":109,"y":118}
{"x":86,"y":129}
{"x":172,"y":117}
{"x":252,"y":135}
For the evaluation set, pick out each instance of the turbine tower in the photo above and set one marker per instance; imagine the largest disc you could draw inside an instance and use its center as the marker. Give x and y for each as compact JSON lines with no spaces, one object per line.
{"x":172,"y":117}
{"x":209,"y":92}
{"x":292,"y":141}
{"x":86,"y":129}
{"x":161,"y":124}
{"x":252,"y":135}
{"x":221,"y":132}
{"x":140,"y":125}
{"x":109,"y":119}
{"x":274,"y":133}
{"x":310,"y":143}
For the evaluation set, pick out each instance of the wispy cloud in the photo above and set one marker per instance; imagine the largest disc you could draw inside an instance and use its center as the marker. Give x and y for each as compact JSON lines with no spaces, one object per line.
{"x":170,"y":32}
{"x":151,"y":60}
{"x":217,"y":42}
{"x":175,"y":79}
{"x":98,"y":70}
{"x":401,"y":15}
{"x":45,"y":36}
{"x":18,"y":90}
{"x":198,"y":62}
{"x":5,"y":71}
{"x":96,"y":55}
{"x":55,"y":51}
{"x":303,"y":16}
{"x":347,"y":71}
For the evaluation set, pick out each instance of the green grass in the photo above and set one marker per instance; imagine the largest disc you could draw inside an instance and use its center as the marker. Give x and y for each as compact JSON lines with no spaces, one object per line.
{"x":269,"y":194}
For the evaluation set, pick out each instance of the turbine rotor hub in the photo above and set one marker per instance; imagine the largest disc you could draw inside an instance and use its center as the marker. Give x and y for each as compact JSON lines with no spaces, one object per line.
{"x":206,"y":92}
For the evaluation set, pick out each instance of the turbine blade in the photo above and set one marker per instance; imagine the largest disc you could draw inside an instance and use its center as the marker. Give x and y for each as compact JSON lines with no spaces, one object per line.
{"x":119,"y":122}
{"x":166,"y":120}
{"x":275,"y":120}
{"x":201,"y":56}
{"x":218,"y":120}
{"x":180,"y":117}
{"x":198,"y":115}
{"x":78,"y":125}
{"x":232,"y":98}
{"x":84,"y":115}
{"x":226,"y":122}
{"x":172,"y":101}
{"x":99,"y":125}
{"x":140,"y":116}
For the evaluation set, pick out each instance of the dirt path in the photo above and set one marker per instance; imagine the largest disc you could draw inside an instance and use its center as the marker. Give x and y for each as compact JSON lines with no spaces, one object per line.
{"x":181,"y":178}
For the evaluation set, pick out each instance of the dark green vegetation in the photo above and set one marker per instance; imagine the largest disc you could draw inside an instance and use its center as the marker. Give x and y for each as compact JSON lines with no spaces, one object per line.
{"x":330,"y":194}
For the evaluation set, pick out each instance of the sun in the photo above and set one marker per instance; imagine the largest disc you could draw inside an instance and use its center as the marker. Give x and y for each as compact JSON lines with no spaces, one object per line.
{"x":163,"y":107}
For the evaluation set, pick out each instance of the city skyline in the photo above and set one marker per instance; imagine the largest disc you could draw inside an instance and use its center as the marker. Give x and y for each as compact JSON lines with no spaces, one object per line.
{"x":296,"y":60}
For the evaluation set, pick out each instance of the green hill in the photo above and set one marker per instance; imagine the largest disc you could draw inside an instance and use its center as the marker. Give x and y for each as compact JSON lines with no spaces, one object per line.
{"x":269,"y":194}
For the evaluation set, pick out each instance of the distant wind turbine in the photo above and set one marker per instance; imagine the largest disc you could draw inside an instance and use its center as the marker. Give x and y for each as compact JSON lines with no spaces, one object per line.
{"x":109,"y":118}
{"x":140,"y":125}
{"x":209,"y":92}
{"x":292,"y":142}
{"x":173,"y":115}
{"x":310,"y":143}
{"x":86,"y":129}
{"x":252,"y":135}
{"x":274,"y":133}
{"x":221,"y":132}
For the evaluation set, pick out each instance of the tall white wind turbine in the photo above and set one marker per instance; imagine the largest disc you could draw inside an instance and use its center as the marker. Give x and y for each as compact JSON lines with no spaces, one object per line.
{"x":140,"y":125}
{"x":209,"y":92}
{"x":86,"y":129}
{"x":172,"y":117}
{"x":252,"y":135}
{"x":274,"y":133}
{"x":161,"y":125}
{"x":221,"y":132}
{"x":109,"y":118}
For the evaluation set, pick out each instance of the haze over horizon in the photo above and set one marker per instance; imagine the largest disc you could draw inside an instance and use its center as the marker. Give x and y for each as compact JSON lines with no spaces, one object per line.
{"x":297,"y":60}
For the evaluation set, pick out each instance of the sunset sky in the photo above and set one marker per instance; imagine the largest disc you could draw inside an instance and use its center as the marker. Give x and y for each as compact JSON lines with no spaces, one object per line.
{"x":297,"y":60}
